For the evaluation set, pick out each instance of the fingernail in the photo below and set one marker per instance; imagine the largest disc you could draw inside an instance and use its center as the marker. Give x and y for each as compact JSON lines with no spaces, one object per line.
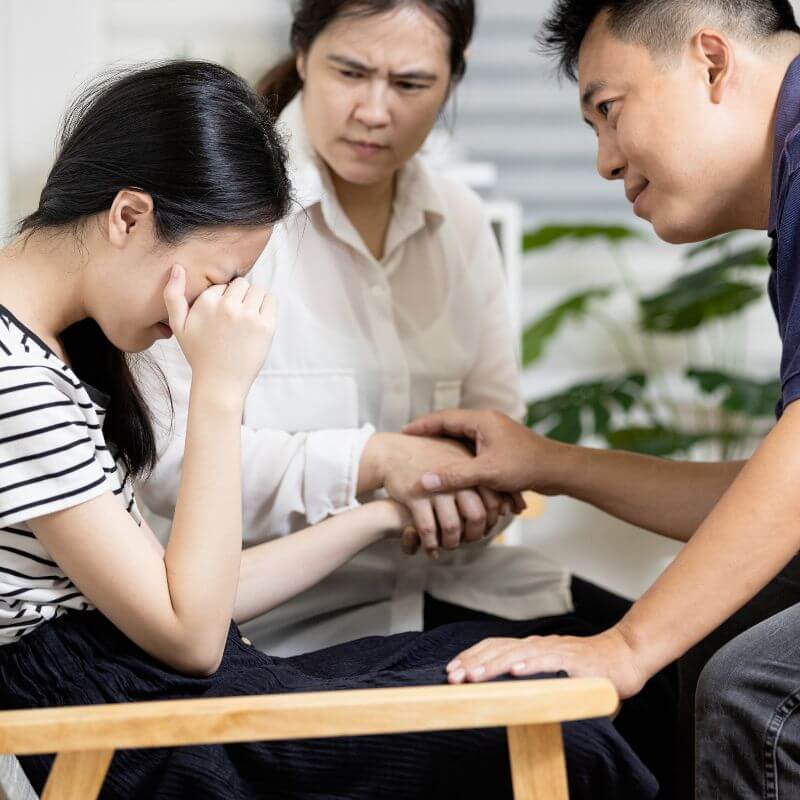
{"x":477,"y":673}
{"x":431,"y":482}
{"x":435,"y":555}
{"x":454,"y":664}
{"x":457,"y":676}
{"x":175,"y":272}
{"x":518,"y":667}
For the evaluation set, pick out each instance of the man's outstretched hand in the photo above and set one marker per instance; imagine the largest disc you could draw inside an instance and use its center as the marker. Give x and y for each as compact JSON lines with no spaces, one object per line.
{"x":508,"y":457}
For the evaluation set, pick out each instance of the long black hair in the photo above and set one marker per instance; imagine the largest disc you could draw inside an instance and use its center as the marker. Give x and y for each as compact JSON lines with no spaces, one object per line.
{"x":202,"y":144}
{"x":282,"y":82}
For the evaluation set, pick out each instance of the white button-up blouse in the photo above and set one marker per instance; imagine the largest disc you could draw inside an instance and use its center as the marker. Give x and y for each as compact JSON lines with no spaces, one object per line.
{"x":365,"y":345}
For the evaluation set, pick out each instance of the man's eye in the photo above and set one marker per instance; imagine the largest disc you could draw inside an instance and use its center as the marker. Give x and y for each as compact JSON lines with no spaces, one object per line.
{"x":348,"y":73}
{"x":410,"y":86}
{"x":604,"y":107}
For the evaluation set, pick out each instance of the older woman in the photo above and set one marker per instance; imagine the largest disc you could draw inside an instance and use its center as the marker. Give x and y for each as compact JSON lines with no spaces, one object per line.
{"x":393,"y":304}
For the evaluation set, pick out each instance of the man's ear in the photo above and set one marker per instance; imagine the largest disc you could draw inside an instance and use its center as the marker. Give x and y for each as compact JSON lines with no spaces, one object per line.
{"x":300,"y":65}
{"x":130,"y":213}
{"x":714,"y":53}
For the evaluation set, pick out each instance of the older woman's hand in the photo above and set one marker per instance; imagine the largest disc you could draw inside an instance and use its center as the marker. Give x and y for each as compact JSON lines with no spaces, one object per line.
{"x":479,"y":511}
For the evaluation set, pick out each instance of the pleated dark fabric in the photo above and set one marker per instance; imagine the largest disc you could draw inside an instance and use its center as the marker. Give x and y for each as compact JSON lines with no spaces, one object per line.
{"x":81,"y":658}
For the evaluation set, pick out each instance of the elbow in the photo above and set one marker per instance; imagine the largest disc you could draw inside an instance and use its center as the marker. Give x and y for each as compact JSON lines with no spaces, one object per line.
{"x":195,"y":658}
{"x":204,"y":668}
{"x":203,"y":665}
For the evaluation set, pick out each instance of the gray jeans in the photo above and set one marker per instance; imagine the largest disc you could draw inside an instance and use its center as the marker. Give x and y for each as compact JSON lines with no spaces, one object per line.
{"x":746,"y":677}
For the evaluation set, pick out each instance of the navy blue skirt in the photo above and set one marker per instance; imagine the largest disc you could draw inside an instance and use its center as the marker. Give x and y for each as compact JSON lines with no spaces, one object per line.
{"x":81,"y":658}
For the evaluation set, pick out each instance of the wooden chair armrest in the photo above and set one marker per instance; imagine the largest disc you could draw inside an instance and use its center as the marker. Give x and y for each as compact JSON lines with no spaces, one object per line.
{"x":304,"y":715}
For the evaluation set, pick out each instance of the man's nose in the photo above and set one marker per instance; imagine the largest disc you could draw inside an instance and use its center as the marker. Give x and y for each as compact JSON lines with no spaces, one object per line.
{"x":610,"y":162}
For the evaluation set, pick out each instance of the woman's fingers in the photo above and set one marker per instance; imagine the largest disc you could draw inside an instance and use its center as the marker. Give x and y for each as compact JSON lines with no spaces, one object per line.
{"x":492,"y":501}
{"x":254,"y":299}
{"x":473,"y":512}
{"x":425,"y":523}
{"x":175,"y":298}
{"x":450,"y":524}
{"x":236,"y":291}
{"x":409,"y":541}
{"x":269,"y":308}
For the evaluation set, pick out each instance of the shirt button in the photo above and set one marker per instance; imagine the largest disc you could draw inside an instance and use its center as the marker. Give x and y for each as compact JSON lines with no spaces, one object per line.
{"x":246,"y":641}
{"x":378,"y":291}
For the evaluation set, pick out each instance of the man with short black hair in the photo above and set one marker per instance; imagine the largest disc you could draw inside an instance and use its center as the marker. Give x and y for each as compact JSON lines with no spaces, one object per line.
{"x":696,"y":107}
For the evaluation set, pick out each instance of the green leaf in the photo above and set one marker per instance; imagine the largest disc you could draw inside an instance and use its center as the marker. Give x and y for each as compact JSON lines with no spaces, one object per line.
{"x":568,"y":428}
{"x":565,"y":412}
{"x":739,"y":394}
{"x":753,"y":258}
{"x":539,"y":332}
{"x":694,"y":298}
{"x":655,"y":441}
{"x":710,"y":244}
{"x":602,"y":416}
{"x":550,"y":234}
{"x":687,"y":307}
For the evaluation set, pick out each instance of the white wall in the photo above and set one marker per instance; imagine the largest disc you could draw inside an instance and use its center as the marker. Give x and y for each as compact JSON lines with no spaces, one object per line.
{"x":51,"y":47}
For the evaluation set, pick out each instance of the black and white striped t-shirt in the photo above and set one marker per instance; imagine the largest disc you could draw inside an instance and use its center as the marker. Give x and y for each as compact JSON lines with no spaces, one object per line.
{"x":52,"y":456}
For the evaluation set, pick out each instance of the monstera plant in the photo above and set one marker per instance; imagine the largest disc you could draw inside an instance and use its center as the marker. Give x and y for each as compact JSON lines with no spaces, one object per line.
{"x":635,"y":408}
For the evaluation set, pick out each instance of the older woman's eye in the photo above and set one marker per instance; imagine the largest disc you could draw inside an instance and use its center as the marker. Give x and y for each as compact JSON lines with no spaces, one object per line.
{"x":410,"y":86}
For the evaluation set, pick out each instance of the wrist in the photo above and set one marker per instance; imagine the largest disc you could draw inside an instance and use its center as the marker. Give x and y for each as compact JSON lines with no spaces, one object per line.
{"x":384,"y":519}
{"x":375,"y":464}
{"x":216,"y":397}
{"x":632,"y":644}
{"x":394,"y":517}
{"x":567,"y":464}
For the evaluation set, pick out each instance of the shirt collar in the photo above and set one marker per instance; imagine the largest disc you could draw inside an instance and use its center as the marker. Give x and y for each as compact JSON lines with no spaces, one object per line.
{"x":417,"y":192}
{"x":787,"y":118}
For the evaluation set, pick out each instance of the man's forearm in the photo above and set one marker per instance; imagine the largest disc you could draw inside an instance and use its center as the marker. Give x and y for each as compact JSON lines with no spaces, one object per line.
{"x":744,"y":542}
{"x":671,"y":498}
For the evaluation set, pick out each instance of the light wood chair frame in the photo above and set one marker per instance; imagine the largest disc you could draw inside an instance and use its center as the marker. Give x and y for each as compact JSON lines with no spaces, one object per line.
{"x":85,"y":737}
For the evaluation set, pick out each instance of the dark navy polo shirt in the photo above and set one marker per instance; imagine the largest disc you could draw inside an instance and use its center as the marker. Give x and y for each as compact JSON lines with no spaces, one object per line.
{"x":784,"y":230}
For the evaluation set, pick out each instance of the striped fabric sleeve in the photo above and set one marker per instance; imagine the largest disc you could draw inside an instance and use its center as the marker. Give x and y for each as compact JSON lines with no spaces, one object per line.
{"x":47,"y":448}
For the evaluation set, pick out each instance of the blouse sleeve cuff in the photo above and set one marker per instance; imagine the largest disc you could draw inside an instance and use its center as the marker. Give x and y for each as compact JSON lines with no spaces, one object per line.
{"x":331,"y":471}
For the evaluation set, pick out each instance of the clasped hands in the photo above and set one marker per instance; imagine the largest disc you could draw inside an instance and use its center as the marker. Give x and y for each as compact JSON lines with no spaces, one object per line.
{"x":446,"y":520}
